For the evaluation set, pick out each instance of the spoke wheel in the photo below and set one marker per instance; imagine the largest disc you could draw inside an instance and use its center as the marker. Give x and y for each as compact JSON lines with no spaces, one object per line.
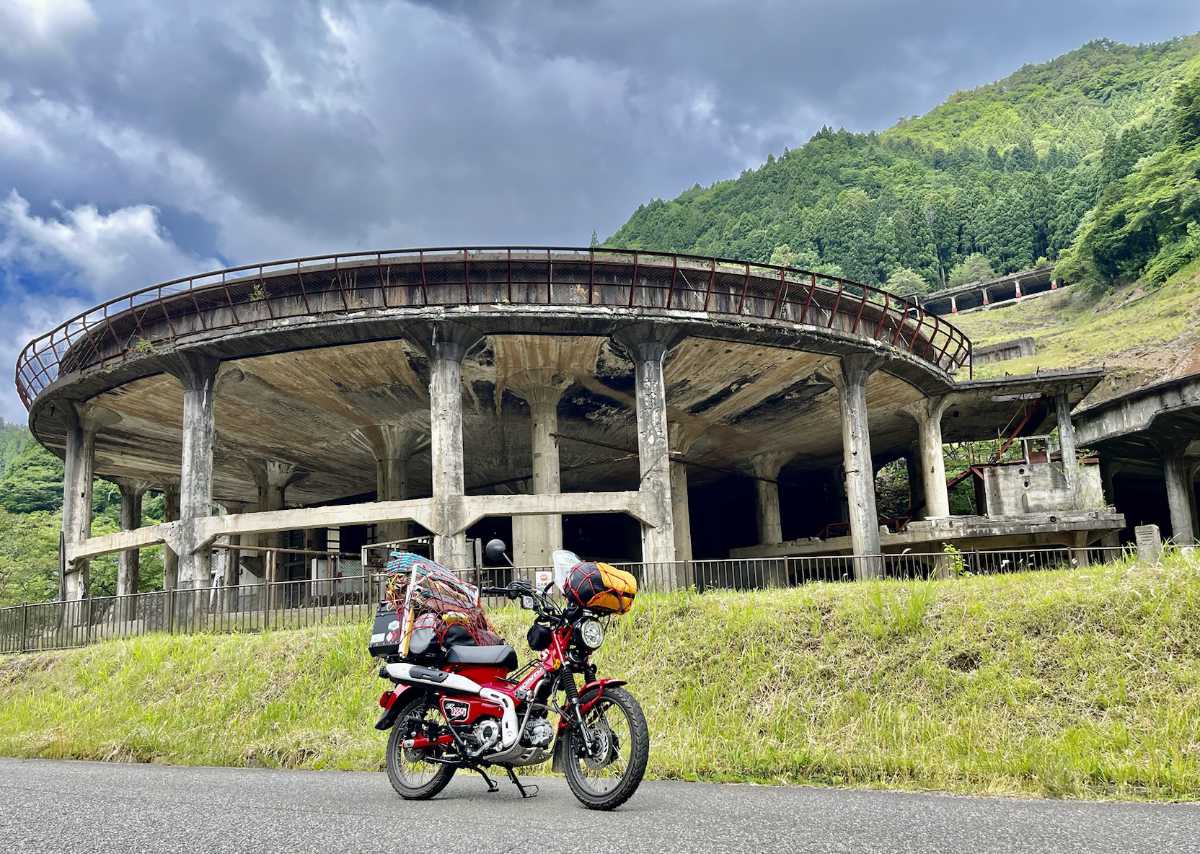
{"x":410,"y":772}
{"x":605,"y":775}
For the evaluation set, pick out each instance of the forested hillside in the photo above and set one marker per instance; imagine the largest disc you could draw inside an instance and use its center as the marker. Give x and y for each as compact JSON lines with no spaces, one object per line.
{"x":1091,"y":159}
{"x":30,"y":513}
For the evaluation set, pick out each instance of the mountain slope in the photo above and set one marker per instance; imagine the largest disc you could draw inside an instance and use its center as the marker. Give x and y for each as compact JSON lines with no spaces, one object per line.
{"x":1008,"y":170}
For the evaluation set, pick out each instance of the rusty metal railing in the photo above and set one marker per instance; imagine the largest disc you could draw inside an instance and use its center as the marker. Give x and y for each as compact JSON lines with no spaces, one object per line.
{"x":169,"y":313}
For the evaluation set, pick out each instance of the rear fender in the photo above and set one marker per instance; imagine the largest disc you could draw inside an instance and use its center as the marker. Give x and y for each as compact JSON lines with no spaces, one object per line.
{"x":391,"y":704}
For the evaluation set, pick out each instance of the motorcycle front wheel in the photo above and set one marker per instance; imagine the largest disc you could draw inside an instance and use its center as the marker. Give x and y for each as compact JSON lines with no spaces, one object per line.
{"x":608,"y":774}
{"x":411,"y":774}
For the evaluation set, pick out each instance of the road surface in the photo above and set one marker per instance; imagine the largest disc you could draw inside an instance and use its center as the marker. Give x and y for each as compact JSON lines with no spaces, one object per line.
{"x":90,"y":806}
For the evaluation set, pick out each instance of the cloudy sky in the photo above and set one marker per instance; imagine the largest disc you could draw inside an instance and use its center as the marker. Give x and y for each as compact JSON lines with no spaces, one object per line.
{"x":141,"y":140}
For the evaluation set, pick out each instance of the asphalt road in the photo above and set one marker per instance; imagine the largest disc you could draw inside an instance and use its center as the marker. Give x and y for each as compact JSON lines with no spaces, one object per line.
{"x":88,"y":806}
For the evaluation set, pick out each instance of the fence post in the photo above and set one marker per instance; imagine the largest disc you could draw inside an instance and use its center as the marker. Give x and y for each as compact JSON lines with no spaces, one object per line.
{"x":87,"y":628}
{"x":171,"y":611}
{"x":24,"y":626}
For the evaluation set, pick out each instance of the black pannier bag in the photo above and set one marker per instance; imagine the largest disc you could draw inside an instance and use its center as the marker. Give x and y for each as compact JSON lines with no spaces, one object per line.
{"x":385,"y":632}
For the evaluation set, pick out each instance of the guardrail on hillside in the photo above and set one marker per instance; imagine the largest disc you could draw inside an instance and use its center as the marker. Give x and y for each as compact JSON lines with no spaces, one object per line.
{"x":296,"y":604}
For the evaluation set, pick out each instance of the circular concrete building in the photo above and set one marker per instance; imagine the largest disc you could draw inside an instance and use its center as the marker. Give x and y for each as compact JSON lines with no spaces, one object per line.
{"x":631,"y":405}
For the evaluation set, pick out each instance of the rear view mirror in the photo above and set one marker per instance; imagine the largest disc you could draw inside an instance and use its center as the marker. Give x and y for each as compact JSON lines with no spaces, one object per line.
{"x":495,"y":552}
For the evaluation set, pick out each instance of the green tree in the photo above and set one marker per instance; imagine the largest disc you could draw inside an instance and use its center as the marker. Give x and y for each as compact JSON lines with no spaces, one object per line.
{"x":905,"y":282}
{"x":974,"y":268}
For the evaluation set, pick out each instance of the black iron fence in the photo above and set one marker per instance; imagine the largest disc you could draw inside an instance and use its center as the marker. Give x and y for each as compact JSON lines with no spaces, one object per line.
{"x":297,"y":604}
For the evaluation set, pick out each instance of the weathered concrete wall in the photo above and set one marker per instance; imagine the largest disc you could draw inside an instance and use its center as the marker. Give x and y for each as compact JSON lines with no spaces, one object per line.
{"x":1019,"y":488}
{"x":1016,"y":349}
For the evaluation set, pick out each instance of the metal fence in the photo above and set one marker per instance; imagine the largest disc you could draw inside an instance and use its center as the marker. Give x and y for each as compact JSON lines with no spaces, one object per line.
{"x":296,"y":604}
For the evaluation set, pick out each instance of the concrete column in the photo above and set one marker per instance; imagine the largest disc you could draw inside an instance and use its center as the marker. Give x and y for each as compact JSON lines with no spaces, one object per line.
{"x":647,"y":345}
{"x":851,"y":382}
{"x":535,"y":537}
{"x":233,"y":558}
{"x":128,"y":561}
{"x":928,"y":414}
{"x":984,"y":291}
{"x":82,"y":423}
{"x":766,"y":485}
{"x":953,"y":305}
{"x":198,"y":376}
{"x":1017,"y":289}
{"x":448,"y":347}
{"x":682,"y":437}
{"x":1178,"y":476}
{"x":392,"y":445}
{"x":1066,"y":439}
{"x":916,"y":478}
{"x":170,"y":493}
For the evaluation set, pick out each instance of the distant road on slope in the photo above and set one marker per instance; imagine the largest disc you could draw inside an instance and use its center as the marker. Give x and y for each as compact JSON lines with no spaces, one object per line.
{"x":87,"y":806}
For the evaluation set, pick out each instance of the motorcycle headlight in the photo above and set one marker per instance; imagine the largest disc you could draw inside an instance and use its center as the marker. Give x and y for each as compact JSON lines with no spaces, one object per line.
{"x":591,"y":633}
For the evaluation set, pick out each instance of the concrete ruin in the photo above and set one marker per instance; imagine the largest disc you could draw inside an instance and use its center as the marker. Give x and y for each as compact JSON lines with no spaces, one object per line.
{"x":633,"y":406}
{"x":1002,"y":290}
{"x":1148,"y":442}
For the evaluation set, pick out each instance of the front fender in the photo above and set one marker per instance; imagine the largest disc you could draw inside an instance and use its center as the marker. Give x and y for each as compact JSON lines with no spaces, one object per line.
{"x":593,"y":691}
{"x":589,"y":695}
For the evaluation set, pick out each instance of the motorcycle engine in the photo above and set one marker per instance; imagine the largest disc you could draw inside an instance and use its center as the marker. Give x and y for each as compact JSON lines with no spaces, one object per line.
{"x":487,"y":732}
{"x":538,"y":733}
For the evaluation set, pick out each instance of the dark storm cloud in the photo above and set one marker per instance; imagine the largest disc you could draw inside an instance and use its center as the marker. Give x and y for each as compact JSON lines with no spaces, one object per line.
{"x":167,"y":136}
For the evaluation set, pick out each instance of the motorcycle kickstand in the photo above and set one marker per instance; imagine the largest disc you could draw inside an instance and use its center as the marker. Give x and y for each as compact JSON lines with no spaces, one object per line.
{"x":492,"y":785}
{"x":526,"y":791}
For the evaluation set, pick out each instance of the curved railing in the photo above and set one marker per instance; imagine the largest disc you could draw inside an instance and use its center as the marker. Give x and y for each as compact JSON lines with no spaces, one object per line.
{"x":133,"y":325}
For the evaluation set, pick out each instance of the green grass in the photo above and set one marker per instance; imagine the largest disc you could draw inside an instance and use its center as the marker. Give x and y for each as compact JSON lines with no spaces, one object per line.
{"x":1140,"y":334}
{"x":1076,"y":684}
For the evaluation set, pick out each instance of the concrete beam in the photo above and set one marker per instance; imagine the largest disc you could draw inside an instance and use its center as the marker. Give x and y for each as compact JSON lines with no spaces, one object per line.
{"x":476,"y":507}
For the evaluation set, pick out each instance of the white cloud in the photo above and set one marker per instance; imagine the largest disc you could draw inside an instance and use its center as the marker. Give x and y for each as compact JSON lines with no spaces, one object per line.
{"x":32,"y":25}
{"x":104,"y":253}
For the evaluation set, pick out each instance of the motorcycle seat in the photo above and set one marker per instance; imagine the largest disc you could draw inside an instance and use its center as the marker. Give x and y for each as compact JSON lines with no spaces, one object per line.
{"x":498,"y":654}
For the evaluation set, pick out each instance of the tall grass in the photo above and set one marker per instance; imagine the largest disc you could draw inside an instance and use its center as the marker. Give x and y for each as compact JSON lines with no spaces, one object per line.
{"x":1082,"y":684}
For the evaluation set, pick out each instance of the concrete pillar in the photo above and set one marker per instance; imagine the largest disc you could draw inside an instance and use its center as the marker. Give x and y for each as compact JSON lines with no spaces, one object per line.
{"x":170,"y":493}
{"x":647,"y":345}
{"x":535,"y":537}
{"x":953,"y":305}
{"x":928,"y":412}
{"x":1017,"y":289}
{"x":392,"y":445}
{"x":448,"y":346}
{"x":1054,"y":284}
{"x":233,"y":558}
{"x":128,"y":561}
{"x":851,"y":382}
{"x":682,"y":436}
{"x":916,"y":478}
{"x":766,"y":486}
{"x":77,"y":494}
{"x":984,"y":291}
{"x":1066,"y":440}
{"x":198,"y":376}
{"x":1178,"y":476}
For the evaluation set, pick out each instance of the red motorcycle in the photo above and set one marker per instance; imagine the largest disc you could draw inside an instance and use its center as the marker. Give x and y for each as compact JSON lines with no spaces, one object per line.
{"x":459,"y":705}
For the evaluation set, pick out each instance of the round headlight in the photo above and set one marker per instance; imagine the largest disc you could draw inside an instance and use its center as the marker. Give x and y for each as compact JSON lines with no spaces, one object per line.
{"x":591,"y":633}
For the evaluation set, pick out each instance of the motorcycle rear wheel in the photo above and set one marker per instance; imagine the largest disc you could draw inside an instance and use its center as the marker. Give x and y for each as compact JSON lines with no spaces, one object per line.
{"x":609,"y":777}
{"x":413,"y":777}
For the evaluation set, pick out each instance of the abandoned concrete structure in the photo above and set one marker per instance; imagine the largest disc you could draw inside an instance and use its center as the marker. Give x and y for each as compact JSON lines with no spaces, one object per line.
{"x":1148,"y":442}
{"x":630,"y":405}
{"x":998,"y":291}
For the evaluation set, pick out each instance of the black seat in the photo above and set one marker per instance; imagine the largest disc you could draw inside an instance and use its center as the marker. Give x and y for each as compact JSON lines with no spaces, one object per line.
{"x":498,"y":654}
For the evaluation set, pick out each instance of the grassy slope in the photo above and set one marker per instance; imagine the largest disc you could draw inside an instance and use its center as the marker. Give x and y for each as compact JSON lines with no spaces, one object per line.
{"x":1074,"y":684}
{"x":1140,"y":335}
